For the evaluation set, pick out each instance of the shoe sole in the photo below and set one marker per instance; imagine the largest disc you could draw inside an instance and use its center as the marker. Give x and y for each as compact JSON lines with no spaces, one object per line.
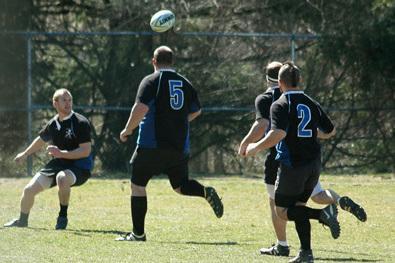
{"x":355,"y":209}
{"x":214,"y":197}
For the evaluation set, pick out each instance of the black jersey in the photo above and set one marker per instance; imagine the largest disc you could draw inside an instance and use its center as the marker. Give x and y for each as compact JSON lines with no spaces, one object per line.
{"x":170,"y":98}
{"x":300,"y":116}
{"x":262,"y":109}
{"x":68,"y":135}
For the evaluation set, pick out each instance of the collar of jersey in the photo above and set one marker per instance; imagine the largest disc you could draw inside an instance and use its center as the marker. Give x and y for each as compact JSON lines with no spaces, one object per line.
{"x":166,"y":69}
{"x":66,"y":118}
{"x":293,"y":92}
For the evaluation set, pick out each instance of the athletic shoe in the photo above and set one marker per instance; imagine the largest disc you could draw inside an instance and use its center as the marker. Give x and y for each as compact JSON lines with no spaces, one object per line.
{"x":15,"y":223}
{"x":276,"y":250}
{"x":347,"y":204}
{"x":328,"y":217}
{"x":305,"y":256}
{"x":214,"y":201}
{"x":61,"y":223}
{"x":131,"y":237}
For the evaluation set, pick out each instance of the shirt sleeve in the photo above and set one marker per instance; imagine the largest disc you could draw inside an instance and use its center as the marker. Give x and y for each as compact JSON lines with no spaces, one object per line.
{"x":195,"y":103}
{"x":279,"y":116}
{"x":262,"y":107}
{"x":325,"y":124}
{"x":146,"y":92}
{"x":45,"y":133}
{"x":84,"y":134}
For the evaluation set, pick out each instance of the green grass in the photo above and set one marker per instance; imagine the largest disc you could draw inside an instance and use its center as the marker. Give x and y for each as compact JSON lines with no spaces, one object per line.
{"x":184,"y":229}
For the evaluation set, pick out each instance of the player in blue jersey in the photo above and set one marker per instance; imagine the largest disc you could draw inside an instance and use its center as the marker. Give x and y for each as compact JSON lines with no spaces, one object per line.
{"x":257,"y":131}
{"x":69,"y":137}
{"x":165,"y":104}
{"x":295,"y":121}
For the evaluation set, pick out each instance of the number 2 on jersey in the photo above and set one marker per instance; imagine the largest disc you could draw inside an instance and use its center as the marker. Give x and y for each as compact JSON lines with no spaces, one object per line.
{"x":304,"y":114}
{"x":176,"y":94}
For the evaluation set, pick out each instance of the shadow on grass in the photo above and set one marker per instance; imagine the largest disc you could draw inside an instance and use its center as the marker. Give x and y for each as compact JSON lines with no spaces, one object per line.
{"x":348,"y":260}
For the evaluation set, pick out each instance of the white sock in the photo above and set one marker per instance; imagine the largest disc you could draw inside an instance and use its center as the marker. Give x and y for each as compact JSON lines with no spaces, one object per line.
{"x":282,"y":243}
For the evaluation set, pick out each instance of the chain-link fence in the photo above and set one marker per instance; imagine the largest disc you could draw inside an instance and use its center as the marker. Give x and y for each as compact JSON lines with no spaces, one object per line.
{"x":103,"y":70}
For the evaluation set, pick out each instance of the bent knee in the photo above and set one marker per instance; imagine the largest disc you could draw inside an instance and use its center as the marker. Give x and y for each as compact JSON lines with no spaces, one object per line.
{"x":64,"y":180}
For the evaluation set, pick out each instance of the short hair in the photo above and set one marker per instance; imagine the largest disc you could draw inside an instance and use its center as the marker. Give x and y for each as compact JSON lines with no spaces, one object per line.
{"x":290,"y":74}
{"x":60,"y":92}
{"x":272,"y":70}
{"x":163,"y":56}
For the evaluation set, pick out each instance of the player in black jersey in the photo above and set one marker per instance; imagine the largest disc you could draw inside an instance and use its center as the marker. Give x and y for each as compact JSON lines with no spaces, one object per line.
{"x":295,"y":121}
{"x":69,"y":138}
{"x":165,"y":104}
{"x":257,"y":131}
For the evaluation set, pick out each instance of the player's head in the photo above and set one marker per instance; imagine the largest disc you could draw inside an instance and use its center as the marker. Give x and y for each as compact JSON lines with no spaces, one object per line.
{"x":62,"y":101}
{"x":163,"y":57}
{"x":272,"y":70}
{"x":289,"y":75}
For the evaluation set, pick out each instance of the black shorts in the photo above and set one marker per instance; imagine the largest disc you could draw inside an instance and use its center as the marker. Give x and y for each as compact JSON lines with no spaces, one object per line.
{"x":53,"y":167}
{"x":271,"y":168}
{"x":295,"y":184}
{"x":149,"y":162}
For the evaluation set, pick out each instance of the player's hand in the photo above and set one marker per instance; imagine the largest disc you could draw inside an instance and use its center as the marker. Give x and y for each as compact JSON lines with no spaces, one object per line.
{"x":20,"y":157}
{"x":54,"y":151}
{"x":242,"y":149}
{"x":251,"y":149}
{"x":123,"y":136}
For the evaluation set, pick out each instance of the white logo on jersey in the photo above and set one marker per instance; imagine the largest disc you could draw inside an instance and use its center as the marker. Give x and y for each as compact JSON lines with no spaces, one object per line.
{"x":69,"y":133}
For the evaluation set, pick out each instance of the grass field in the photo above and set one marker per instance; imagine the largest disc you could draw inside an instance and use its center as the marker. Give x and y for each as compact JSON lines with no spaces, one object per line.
{"x":184,"y":229}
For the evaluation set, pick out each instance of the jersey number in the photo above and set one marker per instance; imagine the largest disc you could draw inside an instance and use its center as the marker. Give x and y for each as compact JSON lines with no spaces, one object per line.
{"x":304,"y":114}
{"x":176,"y":94}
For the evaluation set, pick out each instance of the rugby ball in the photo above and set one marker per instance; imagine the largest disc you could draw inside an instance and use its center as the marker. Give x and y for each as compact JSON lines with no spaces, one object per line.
{"x":162,"y":21}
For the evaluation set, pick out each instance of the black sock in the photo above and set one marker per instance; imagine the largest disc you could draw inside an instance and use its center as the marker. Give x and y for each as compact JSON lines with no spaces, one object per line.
{"x":303,"y":228}
{"x":63,"y":210}
{"x":295,"y":213}
{"x":192,"y":188}
{"x":138,"y":209}
{"x":23,"y":218}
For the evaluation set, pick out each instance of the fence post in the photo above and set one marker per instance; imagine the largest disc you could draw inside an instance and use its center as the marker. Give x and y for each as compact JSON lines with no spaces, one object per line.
{"x":293,"y":47}
{"x":29,"y":101}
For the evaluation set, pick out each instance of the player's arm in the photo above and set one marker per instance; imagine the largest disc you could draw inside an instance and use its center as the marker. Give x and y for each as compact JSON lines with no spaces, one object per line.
{"x":326,"y":127}
{"x":194,"y":115}
{"x":255,"y":133}
{"x":136,"y":115}
{"x":271,"y":139}
{"x":36,"y":145}
{"x":83,"y":151}
{"x":322,"y":135}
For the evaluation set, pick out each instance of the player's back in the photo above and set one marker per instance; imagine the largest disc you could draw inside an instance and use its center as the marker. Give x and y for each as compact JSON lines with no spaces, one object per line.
{"x":303,"y":116}
{"x":173,"y":101}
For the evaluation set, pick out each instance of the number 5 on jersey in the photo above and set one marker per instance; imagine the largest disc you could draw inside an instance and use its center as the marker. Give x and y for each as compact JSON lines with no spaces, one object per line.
{"x":176,"y":94}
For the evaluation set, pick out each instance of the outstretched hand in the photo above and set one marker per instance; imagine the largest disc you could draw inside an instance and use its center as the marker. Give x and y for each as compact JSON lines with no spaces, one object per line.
{"x":20,"y":157}
{"x":123,"y":136}
{"x":251,"y":149}
{"x":54,"y":151}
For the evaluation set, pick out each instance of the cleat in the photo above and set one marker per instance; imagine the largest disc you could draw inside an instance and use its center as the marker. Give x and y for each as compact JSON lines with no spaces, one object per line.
{"x":214,"y":201}
{"x":347,"y":204}
{"x":15,"y":223}
{"x":328,"y":217}
{"x":61,"y":223}
{"x":305,"y":256}
{"x":275,"y":250}
{"x":131,"y":237}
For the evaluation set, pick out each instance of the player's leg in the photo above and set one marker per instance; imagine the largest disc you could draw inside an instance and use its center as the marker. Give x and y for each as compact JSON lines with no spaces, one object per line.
{"x":329,"y":196}
{"x":64,"y":180}
{"x":142,"y":172}
{"x":36,"y":185}
{"x":281,"y":247}
{"x":179,"y":179}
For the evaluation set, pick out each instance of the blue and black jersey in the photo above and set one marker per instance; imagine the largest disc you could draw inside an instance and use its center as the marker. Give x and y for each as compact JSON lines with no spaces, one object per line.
{"x":68,"y":135}
{"x":170,"y":98}
{"x":300,"y":117}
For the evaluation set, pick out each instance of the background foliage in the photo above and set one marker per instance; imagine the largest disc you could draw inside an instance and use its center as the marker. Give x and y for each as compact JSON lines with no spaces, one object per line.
{"x":349,"y":69}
